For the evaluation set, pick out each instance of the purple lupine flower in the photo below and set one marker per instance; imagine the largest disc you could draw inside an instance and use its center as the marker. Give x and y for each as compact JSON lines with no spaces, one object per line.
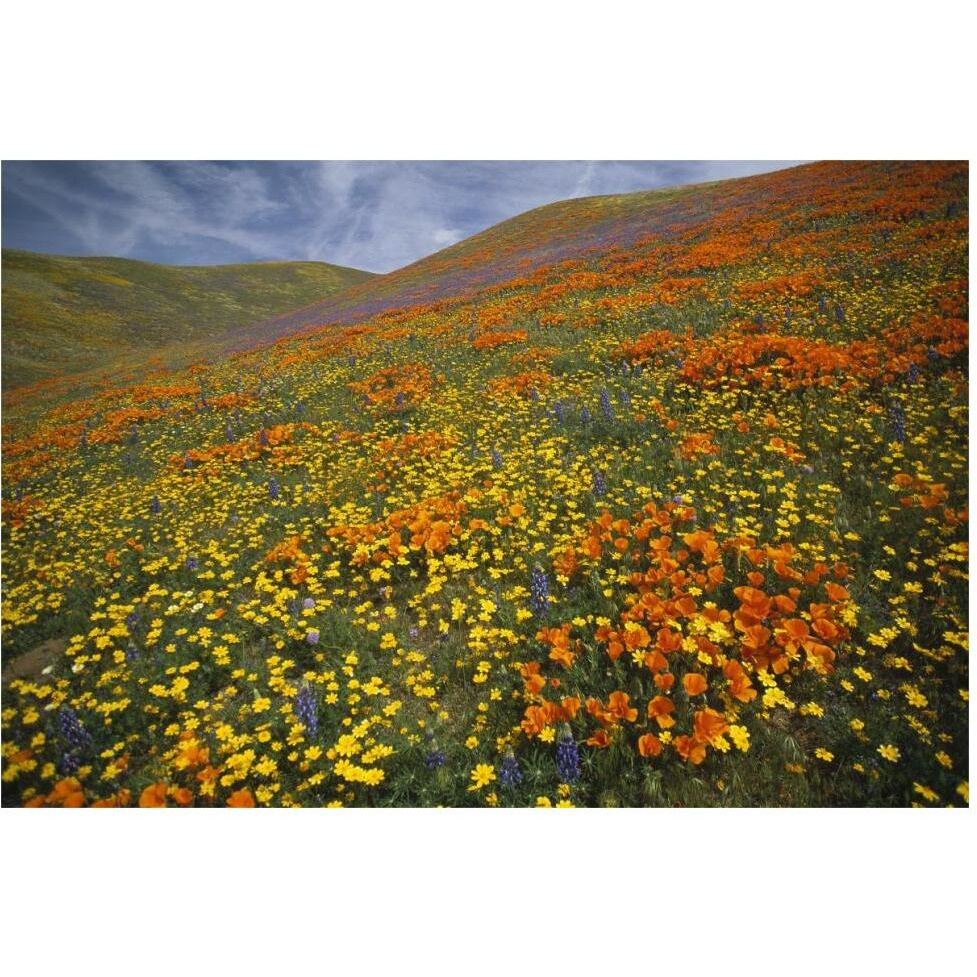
{"x":496,"y":459}
{"x":606,"y":407}
{"x":308,"y":604}
{"x":559,"y":412}
{"x":307,"y":710}
{"x":192,"y":563}
{"x":585,"y":415}
{"x":567,"y":756}
{"x":155,"y":506}
{"x":510,"y":773}
{"x":599,"y":485}
{"x":273,"y":489}
{"x":312,"y":638}
{"x":539,"y":587}
{"x":78,"y":740}
{"x":435,"y":758}
{"x":624,"y":399}
{"x":913,"y":373}
{"x":897,"y":420}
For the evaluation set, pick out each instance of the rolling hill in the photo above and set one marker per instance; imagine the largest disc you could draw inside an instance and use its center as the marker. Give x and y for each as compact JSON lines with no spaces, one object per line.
{"x":65,"y":315}
{"x":591,"y":229}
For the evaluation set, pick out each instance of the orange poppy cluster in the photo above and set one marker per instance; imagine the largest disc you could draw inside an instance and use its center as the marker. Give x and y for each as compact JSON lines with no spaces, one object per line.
{"x":520,"y":384}
{"x":492,"y":340}
{"x":431,"y":526}
{"x":396,"y":389}
{"x":273,"y":441}
{"x":675,"y":630}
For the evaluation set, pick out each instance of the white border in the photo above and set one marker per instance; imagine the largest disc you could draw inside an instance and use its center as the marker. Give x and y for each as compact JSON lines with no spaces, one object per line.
{"x":749,"y":892}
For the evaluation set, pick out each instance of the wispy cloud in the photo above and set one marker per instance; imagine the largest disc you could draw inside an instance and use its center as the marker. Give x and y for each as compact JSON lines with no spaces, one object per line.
{"x":373,"y":215}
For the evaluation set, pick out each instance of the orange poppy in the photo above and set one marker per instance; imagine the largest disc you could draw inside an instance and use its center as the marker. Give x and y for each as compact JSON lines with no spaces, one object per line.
{"x":694,"y":683}
{"x":618,"y":706}
{"x":154,"y":795}
{"x":601,"y":739}
{"x":709,"y":725}
{"x":241,"y":798}
{"x":649,"y":745}
{"x":67,"y":793}
{"x":570,"y":707}
{"x":688,"y":749}
{"x":668,"y":640}
{"x":836,"y":592}
{"x":660,"y":709}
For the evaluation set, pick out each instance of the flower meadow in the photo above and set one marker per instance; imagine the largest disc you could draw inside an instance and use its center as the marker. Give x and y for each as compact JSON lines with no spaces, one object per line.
{"x":652,"y":500}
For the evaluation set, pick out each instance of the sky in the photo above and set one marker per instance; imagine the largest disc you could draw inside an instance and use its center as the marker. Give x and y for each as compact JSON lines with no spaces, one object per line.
{"x":377,"y":216}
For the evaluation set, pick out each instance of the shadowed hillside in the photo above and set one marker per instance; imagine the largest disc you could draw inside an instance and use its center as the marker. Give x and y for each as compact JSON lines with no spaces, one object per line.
{"x":64,"y":315}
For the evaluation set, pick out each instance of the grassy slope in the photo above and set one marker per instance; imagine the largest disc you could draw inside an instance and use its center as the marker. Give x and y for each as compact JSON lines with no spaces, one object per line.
{"x":65,"y":315}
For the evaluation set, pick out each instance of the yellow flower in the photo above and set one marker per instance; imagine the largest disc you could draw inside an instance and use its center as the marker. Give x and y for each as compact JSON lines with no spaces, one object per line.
{"x":925,"y":792}
{"x":484,"y":773}
{"x":740,"y":736}
{"x":889,"y":752}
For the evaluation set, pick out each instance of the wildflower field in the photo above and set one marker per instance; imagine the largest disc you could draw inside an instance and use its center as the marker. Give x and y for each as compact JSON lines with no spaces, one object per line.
{"x":655,"y":499}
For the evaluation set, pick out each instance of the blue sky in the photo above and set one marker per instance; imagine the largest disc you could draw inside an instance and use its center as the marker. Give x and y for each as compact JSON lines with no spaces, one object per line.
{"x":373,"y":215}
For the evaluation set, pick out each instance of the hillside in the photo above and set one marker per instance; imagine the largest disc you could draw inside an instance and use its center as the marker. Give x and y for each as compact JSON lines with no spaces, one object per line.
{"x":659,"y":499}
{"x":592,"y":229}
{"x":64,"y":315}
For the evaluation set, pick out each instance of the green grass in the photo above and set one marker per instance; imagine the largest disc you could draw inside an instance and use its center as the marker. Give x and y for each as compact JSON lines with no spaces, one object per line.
{"x":63,"y":315}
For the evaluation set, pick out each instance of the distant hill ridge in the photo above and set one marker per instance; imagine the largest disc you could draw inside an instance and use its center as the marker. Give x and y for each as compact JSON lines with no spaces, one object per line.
{"x":64,"y":315}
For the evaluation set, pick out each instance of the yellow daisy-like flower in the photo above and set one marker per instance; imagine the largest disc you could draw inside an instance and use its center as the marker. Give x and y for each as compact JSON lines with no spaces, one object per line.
{"x":484,"y":773}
